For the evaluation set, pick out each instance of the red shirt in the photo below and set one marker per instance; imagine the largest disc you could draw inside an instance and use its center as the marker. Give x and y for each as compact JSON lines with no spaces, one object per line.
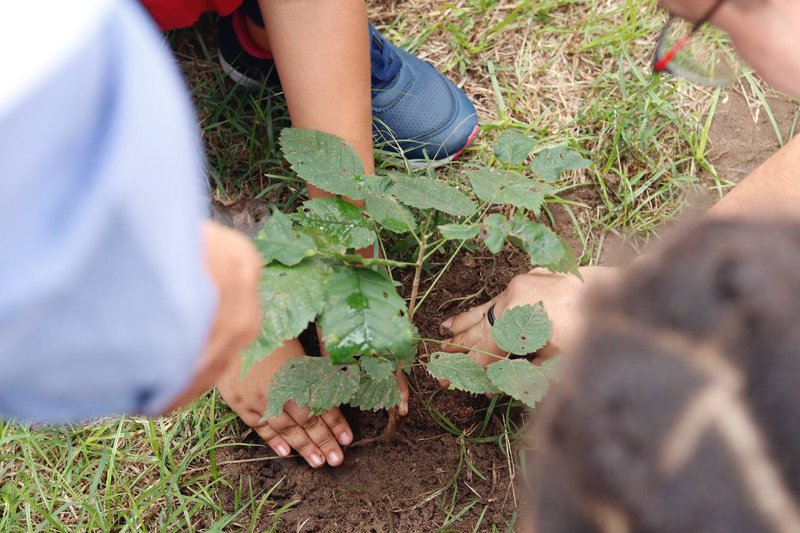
{"x":173,"y":14}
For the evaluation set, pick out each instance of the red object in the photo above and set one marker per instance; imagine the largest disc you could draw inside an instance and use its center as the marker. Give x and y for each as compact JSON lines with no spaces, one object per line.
{"x":174,"y":14}
{"x":664,"y":62}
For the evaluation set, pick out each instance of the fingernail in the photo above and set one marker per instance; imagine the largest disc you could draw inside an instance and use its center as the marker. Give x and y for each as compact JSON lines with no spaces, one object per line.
{"x":282,"y":450}
{"x":334,"y":458}
{"x":345,"y":438}
{"x":316,"y":460}
{"x":444,"y":329}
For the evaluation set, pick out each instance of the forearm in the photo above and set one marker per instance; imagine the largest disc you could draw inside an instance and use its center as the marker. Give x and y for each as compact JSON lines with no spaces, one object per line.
{"x":772,"y":190}
{"x":322,"y":55}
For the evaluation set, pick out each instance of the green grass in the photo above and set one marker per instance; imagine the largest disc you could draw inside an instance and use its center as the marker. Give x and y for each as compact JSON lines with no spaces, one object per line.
{"x":129,"y":474}
{"x":563,"y":71}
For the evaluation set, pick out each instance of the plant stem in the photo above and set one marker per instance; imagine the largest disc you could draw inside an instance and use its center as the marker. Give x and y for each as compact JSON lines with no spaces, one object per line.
{"x":412,"y":302}
{"x":391,"y":426}
{"x":355,"y":259}
{"x":387,"y":435}
{"x":481,"y":213}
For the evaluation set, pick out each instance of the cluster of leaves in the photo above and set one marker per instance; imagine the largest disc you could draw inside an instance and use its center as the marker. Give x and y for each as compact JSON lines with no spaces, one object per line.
{"x":313,"y":272}
{"x":519,"y":331}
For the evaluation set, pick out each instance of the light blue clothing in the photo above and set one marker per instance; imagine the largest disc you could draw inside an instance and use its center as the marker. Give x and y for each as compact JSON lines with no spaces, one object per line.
{"x":105,"y":305}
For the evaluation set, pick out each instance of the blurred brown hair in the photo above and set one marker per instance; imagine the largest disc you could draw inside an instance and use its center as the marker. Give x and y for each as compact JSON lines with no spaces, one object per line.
{"x":680,"y":410}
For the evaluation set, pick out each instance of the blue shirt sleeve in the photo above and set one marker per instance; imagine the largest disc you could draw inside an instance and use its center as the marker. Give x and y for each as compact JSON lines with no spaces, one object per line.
{"x":105,"y":304}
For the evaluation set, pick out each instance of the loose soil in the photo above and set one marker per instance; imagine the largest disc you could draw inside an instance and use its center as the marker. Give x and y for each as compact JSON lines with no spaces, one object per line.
{"x":406,"y":485}
{"x":742,"y":135}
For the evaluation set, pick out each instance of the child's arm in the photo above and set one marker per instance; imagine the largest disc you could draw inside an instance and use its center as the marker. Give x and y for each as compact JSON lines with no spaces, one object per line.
{"x":322,"y":55}
{"x":321,"y":51}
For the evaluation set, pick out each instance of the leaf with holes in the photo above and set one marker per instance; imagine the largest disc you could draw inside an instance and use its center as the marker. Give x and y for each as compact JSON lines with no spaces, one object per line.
{"x":279,"y":242}
{"x":332,"y":385}
{"x":425,"y":193}
{"x":377,"y":368}
{"x":387,"y":211}
{"x":513,"y":147}
{"x":311,"y":382}
{"x":325,"y":161}
{"x":343,"y":222}
{"x":520,"y":379}
{"x":364,"y":315}
{"x":522,"y":330}
{"x":462,"y":371}
{"x":291,"y":298}
{"x":459,"y":232}
{"x":510,"y":188}
{"x":550,"y":163}
{"x":373,"y":395}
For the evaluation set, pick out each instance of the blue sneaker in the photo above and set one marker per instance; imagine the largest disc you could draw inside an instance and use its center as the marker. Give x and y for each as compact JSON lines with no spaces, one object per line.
{"x":417,"y":112}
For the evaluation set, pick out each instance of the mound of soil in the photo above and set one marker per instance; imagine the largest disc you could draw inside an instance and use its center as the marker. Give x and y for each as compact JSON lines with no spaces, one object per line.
{"x":410,"y":484}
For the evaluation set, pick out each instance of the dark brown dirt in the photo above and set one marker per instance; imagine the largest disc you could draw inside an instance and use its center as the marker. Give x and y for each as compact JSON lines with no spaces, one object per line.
{"x":407,"y":485}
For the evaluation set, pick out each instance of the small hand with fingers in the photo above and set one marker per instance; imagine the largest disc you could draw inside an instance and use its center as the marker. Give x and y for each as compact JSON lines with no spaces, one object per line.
{"x":317,"y":438}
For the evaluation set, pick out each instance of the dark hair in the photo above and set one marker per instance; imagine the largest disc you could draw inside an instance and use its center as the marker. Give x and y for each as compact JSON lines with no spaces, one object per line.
{"x":680,"y":410}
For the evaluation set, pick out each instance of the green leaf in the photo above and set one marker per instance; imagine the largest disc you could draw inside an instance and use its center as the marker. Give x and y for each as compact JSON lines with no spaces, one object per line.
{"x":325,"y":161}
{"x":508,"y":188}
{"x":568,"y":263}
{"x":496,"y":228}
{"x":542,"y":245}
{"x":424,"y":193}
{"x":513,"y":147}
{"x":459,"y":232}
{"x":291,"y":298}
{"x":332,"y":386}
{"x":377,"y":368}
{"x":290,"y":382}
{"x":462,"y":371}
{"x":522,"y":330}
{"x":520,"y":379}
{"x":374,"y":395}
{"x":390,"y":213}
{"x":279,"y":242}
{"x":553,"y":368}
{"x":364,"y":315}
{"x":550,"y":163}
{"x":342,"y":221}
{"x":311,"y":382}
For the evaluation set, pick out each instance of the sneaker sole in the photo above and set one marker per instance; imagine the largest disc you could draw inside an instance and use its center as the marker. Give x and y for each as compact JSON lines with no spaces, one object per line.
{"x":236,"y":76}
{"x":419,"y":164}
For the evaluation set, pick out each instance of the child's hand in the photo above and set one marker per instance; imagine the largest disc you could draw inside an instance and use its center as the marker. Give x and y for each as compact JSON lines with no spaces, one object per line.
{"x":471,"y":333}
{"x":316,"y":438}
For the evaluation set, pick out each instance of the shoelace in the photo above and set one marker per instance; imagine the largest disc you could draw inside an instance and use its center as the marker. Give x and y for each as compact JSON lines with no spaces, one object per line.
{"x":385,"y":62}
